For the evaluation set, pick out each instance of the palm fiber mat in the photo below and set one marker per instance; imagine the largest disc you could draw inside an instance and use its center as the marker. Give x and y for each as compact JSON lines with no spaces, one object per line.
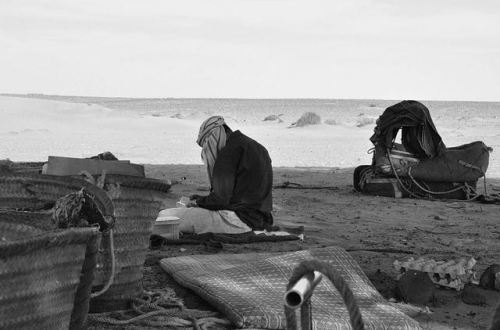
{"x":249,"y":289}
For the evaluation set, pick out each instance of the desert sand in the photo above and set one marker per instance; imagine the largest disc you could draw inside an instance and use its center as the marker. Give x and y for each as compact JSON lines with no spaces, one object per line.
{"x":376,"y":230}
{"x":333,"y":214}
{"x":163,"y":131}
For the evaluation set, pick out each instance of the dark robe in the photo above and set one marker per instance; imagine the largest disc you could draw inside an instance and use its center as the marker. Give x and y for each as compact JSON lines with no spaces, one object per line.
{"x":242,"y":182}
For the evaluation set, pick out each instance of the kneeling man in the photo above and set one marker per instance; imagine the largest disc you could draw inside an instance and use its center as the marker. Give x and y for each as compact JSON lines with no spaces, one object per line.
{"x":241,"y":178}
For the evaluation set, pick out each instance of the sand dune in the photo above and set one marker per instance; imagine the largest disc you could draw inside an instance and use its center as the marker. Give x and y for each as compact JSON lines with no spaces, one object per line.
{"x":146,"y":131}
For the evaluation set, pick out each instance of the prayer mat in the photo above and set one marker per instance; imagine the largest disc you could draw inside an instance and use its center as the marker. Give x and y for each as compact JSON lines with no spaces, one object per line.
{"x":249,"y":289}
{"x":292,"y":234}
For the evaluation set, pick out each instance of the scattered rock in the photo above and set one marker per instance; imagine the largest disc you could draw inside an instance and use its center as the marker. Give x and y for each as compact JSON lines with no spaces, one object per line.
{"x":6,"y":165}
{"x":490,"y":279}
{"x":308,"y":118}
{"x":332,"y":122}
{"x":177,"y":116}
{"x":472,"y":295}
{"x":384,"y":283}
{"x":364,"y":121}
{"x":274,"y":117}
{"x":415,"y":287}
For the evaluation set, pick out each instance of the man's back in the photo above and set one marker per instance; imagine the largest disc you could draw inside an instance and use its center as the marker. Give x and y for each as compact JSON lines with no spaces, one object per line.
{"x":254,"y":173}
{"x":242,"y":181}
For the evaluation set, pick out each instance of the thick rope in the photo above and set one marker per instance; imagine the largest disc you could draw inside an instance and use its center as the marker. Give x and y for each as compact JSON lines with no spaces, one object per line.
{"x":79,"y":209}
{"x":495,"y":322}
{"x":113,"y":267}
{"x":397,"y":176}
{"x":68,"y":209}
{"x":465,"y":164}
{"x":468,"y":189}
{"x":306,"y":315}
{"x":463,"y":187}
{"x":151,"y":310}
{"x":310,"y":266}
{"x":472,"y":194}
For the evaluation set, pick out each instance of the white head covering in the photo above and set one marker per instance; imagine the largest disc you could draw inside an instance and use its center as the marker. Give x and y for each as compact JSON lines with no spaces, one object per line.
{"x":211,"y":138}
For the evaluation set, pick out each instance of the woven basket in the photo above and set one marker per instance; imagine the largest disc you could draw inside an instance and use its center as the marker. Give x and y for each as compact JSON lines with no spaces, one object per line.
{"x":45,"y":277}
{"x":137,"y":202}
{"x":134,"y":201}
{"x":29,"y":191}
{"x":27,"y":167}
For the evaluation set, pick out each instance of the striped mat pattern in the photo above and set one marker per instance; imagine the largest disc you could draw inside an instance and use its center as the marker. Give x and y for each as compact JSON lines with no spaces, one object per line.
{"x":249,"y":289}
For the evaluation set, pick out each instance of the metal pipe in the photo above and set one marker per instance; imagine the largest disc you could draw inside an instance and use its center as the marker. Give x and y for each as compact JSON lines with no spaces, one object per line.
{"x":302,"y":289}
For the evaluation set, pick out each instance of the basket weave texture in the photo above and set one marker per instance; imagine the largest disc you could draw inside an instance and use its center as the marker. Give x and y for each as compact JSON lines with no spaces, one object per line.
{"x":45,"y":276}
{"x":30,"y":191}
{"x":40,"y":191}
{"x":27,"y":167}
{"x":137,"y":202}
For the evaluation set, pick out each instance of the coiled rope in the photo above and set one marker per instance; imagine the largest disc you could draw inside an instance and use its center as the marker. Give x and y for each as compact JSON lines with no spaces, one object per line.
{"x":465,"y":164}
{"x":397,"y":176}
{"x":467,"y":188}
{"x":99,"y":182}
{"x":79,"y":209}
{"x":113,"y":267}
{"x":326,"y":269}
{"x":495,"y":322}
{"x":152,"y":310}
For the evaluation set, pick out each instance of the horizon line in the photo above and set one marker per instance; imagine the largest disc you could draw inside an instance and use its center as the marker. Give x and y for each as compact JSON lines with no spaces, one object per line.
{"x":234,"y":98}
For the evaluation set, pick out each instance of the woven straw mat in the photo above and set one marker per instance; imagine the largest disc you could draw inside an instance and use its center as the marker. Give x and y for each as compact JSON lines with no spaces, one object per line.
{"x":249,"y":289}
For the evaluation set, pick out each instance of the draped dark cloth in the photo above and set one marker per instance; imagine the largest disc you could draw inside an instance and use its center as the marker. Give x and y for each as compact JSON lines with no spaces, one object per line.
{"x":419,"y":135}
{"x":242,"y":182}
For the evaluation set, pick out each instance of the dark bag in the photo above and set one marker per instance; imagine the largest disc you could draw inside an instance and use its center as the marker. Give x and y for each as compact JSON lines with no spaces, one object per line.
{"x":464,"y":163}
{"x":366,"y":181}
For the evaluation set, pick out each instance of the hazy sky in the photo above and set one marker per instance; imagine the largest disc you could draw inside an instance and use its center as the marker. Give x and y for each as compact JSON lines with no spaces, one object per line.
{"x":392,"y":49}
